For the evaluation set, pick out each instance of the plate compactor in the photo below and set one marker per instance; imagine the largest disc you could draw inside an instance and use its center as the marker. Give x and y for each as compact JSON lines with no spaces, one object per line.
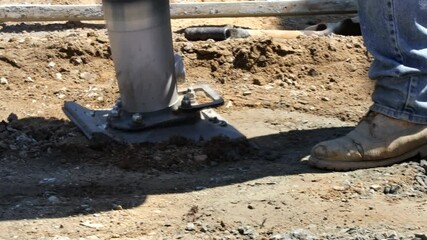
{"x":150,"y":108}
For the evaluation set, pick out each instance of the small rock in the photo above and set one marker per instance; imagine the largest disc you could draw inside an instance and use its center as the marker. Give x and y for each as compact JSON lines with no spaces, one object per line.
{"x":102,"y":40}
{"x":247,"y":231}
{"x":3,"y":81}
{"x":201,"y":158}
{"x":326,"y":99}
{"x":295,"y":235}
{"x":421,"y":180}
{"x":423,"y":164}
{"x":247,"y":93}
{"x":117,"y":207}
{"x":12,"y":117}
{"x":87,"y":76}
{"x":340,"y":188}
{"x":91,"y":225}
{"x":58,"y":76}
{"x":251,"y":206}
{"x":54,"y":200}
{"x":257,"y":82}
{"x":376,"y":187}
{"x":393,"y":189}
{"x":190,"y":227}
{"x":51,"y":65}
{"x":61,"y":238}
{"x":29,"y":79}
{"x":421,"y":236}
{"x":76,"y":60}
{"x":312,"y":72}
{"x":93,"y":237}
{"x":13,"y":147}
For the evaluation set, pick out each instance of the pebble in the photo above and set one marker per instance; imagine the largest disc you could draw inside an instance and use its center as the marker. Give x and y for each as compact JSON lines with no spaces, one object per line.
{"x":247,"y":93}
{"x":423,"y":164}
{"x":190,"y":227}
{"x":247,"y":231}
{"x":294,"y":235}
{"x":91,"y":225}
{"x":3,"y":81}
{"x":421,"y":180}
{"x":376,"y":187}
{"x":87,"y":76}
{"x":201,"y":158}
{"x":257,"y":82}
{"x":51,"y":65}
{"x":421,"y":236}
{"x":12,"y":117}
{"x":393,"y":189}
{"x":29,"y":79}
{"x":58,"y":76}
{"x":326,"y":99}
{"x":61,"y":238}
{"x":117,"y":207}
{"x":54,"y":200}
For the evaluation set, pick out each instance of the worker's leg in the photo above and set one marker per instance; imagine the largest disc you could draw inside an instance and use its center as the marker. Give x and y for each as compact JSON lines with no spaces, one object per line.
{"x":395,"y":32}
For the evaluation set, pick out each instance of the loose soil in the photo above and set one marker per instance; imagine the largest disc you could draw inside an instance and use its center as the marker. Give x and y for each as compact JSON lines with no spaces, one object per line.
{"x":285,"y":95}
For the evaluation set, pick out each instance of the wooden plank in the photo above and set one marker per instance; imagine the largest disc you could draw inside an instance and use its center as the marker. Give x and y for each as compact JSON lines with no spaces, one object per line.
{"x":24,"y":13}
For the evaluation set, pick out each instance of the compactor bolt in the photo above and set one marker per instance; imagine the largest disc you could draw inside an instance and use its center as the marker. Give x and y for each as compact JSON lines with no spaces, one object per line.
{"x":114,"y":113}
{"x":186,"y":101}
{"x":137,"y":118}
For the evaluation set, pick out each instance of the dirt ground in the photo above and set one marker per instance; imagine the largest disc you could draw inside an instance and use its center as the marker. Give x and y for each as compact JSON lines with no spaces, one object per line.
{"x":285,"y":95}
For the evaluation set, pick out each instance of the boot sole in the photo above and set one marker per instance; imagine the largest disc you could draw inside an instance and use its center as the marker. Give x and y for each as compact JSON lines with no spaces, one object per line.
{"x":354,"y":165}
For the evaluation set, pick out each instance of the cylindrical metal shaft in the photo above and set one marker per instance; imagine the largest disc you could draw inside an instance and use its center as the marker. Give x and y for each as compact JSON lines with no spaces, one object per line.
{"x":141,"y":43}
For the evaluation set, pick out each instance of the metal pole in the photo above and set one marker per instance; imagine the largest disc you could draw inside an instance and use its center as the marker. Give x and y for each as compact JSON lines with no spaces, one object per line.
{"x":22,"y":13}
{"x":141,"y":42}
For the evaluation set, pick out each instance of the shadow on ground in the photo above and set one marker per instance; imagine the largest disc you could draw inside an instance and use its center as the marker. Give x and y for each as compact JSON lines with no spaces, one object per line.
{"x":49,"y":170}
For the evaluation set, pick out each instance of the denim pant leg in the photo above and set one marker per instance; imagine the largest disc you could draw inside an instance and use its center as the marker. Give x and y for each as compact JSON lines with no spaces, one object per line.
{"x":395,"y":33}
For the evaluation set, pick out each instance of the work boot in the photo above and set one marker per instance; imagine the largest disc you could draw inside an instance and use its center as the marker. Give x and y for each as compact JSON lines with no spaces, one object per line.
{"x":377,"y":141}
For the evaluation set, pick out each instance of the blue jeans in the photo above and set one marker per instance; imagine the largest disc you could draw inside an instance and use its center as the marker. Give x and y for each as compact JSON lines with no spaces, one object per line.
{"x":395,"y":33}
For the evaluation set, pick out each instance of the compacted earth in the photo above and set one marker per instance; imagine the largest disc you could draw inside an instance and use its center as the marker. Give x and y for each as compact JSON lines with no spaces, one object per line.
{"x":285,"y":95}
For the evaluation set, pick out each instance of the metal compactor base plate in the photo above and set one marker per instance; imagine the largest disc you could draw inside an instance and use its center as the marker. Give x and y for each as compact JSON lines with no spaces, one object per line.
{"x":95,"y":125}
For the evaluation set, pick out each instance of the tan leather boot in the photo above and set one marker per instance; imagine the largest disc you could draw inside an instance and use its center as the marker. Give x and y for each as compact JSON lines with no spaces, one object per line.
{"x":376,"y":142}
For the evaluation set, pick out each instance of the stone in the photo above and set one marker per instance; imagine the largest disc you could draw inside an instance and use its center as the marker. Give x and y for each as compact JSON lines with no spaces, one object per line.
{"x":92,"y":225}
{"x":201,"y":158}
{"x":29,"y":79}
{"x":4,"y":81}
{"x":423,"y":164}
{"x":87,"y":76}
{"x":421,"y":180}
{"x":421,"y":236}
{"x":117,"y":207}
{"x":190,"y":227}
{"x":54,"y":200}
{"x":58,"y":76}
{"x":12,"y":117}
{"x":246,"y":231}
{"x":325,"y":99}
{"x":51,"y":65}
{"x":257,"y":81}
{"x":376,"y":187}
{"x":393,"y":189}
{"x":247,"y":93}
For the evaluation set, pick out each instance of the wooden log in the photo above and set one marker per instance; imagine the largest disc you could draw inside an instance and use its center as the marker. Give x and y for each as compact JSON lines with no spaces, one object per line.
{"x":23,"y":13}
